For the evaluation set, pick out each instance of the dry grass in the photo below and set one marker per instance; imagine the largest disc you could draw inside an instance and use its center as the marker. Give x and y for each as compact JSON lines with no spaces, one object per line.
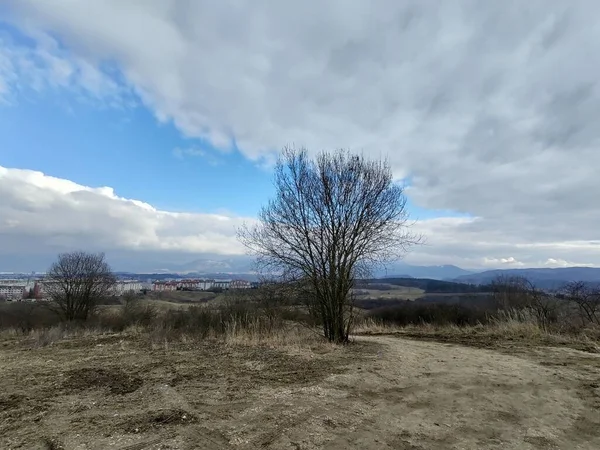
{"x":393,"y":293}
{"x":115,"y":391}
{"x":370,"y":326}
{"x":238,"y":378}
{"x":94,"y":389}
{"x":292,"y":337}
{"x":46,"y":337}
{"x":508,"y":328}
{"x":183,"y":297}
{"x":289,"y":336}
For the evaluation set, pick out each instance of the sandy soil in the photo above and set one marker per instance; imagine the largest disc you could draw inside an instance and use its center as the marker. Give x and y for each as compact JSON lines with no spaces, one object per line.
{"x":381,"y":393}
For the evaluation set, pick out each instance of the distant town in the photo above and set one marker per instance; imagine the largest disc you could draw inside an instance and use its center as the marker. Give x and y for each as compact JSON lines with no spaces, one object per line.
{"x":17,"y":286}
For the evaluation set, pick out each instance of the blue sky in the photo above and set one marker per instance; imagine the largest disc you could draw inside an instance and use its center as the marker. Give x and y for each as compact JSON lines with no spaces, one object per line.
{"x":66,"y":136}
{"x":480,"y":139}
{"x":135,"y":154}
{"x":128,"y":150}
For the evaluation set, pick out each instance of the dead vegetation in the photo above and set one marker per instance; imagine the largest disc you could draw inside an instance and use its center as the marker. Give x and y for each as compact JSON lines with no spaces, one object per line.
{"x":516,"y":313}
{"x":248,"y":373}
{"x":116,"y":381}
{"x":110,"y":390}
{"x":332,"y":219}
{"x":126,"y":391}
{"x":506,"y":331}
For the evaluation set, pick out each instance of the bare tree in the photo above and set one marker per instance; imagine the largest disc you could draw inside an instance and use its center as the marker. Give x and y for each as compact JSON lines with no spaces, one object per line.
{"x":520,"y":293}
{"x":587,"y":299}
{"x":332,"y":219}
{"x":76,"y":283}
{"x":510,"y":292}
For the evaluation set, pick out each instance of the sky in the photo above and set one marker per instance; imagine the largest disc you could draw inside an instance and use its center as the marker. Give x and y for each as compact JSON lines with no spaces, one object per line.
{"x":147,"y":129}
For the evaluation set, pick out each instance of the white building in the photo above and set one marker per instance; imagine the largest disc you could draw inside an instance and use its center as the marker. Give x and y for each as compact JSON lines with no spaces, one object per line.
{"x":240,"y":284}
{"x":205,"y":285}
{"x":188,"y":284}
{"x":13,"y":291}
{"x":162,"y":286}
{"x":126,"y":287}
{"x":221,"y":284}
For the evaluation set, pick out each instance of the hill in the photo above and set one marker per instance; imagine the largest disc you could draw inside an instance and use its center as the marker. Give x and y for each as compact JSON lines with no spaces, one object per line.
{"x":543,"y":277}
{"x":428,"y":285}
{"x":403,"y":270}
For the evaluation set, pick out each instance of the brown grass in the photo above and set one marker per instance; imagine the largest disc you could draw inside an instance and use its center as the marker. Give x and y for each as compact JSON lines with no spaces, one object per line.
{"x":394,"y":292}
{"x":89,"y":388}
{"x":236,"y":378}
{"x":290,"y":336}
{"x":510,"y":328}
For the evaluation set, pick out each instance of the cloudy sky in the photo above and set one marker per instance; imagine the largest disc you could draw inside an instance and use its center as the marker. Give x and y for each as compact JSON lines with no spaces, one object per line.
{"x":146,"y":128}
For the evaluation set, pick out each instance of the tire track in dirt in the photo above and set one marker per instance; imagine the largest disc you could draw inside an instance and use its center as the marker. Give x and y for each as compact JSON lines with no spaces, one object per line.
{"x":425,"y":395}
{"x":447,"y":396}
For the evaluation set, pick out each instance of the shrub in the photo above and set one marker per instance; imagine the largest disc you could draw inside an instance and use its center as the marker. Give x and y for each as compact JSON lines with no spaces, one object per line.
{"x":411,"y":313}
{"x":26,"y":316}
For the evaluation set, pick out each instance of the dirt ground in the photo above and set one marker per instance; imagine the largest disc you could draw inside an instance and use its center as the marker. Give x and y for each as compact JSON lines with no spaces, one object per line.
{"x":382,"y":392}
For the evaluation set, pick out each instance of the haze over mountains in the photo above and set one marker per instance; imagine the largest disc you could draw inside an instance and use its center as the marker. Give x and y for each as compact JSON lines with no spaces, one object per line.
{"x":441,"y":272}
{"x":243,"y":264}
{"x":242,"y":267}
{"x":541,"y":277}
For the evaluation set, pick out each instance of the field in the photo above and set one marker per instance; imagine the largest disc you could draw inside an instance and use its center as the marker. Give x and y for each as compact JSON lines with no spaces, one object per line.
{"x":134,"y":390}
{"x":389,"y":292}
{"x":183,"y":297}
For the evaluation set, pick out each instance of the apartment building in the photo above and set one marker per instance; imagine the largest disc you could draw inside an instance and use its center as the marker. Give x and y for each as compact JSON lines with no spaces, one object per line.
{"x":240,"y":284}
{"x":200,"y":285}
{"x":221,"y":284}
{"x":13,"y":291}
{"x":126,"y":286}
{"x":163,"y":286}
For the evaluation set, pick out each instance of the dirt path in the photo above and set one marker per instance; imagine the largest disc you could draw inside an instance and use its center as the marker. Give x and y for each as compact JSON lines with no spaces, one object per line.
{"x":417,"y":395}
{"x":387,"y":393}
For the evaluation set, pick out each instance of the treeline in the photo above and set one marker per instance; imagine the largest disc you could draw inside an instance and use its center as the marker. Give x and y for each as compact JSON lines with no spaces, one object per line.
{"x":428,"y":285}
{"x":575,"y":305}
{"x":258,"y":312}
{"x":475,"y":299}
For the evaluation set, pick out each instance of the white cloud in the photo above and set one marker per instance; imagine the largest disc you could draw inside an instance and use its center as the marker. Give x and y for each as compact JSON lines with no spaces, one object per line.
{"x":44,"y":213}
{"x":467,"y":243}
{"x":489,"y":108}
{"x":552,"y":262}
{"x":48,"y":66}
{"x":503,"y":262}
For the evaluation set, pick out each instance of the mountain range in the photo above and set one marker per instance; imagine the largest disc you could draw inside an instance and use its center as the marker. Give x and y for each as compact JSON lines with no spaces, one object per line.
{"x":403,"y":270}
{"x":242,"y":267}
{"x":547,"y":278}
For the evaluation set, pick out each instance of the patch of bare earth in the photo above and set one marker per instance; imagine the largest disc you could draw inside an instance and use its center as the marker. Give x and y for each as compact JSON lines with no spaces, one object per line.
{"x":381,"y":392}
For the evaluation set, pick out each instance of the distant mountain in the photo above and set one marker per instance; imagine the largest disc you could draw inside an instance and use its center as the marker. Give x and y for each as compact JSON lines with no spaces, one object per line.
{"x":240,"y":265}
{"x":402,"y":270}
{"x":543,"y":277}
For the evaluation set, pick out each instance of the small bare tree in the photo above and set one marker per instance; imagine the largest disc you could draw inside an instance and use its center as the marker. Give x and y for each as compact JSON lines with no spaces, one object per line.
{"x":587,"y":299}
{"x":520,"y":293}
{"x":332,"y":219}
{"x":77,"y":282}
{"x":510,"y":292}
